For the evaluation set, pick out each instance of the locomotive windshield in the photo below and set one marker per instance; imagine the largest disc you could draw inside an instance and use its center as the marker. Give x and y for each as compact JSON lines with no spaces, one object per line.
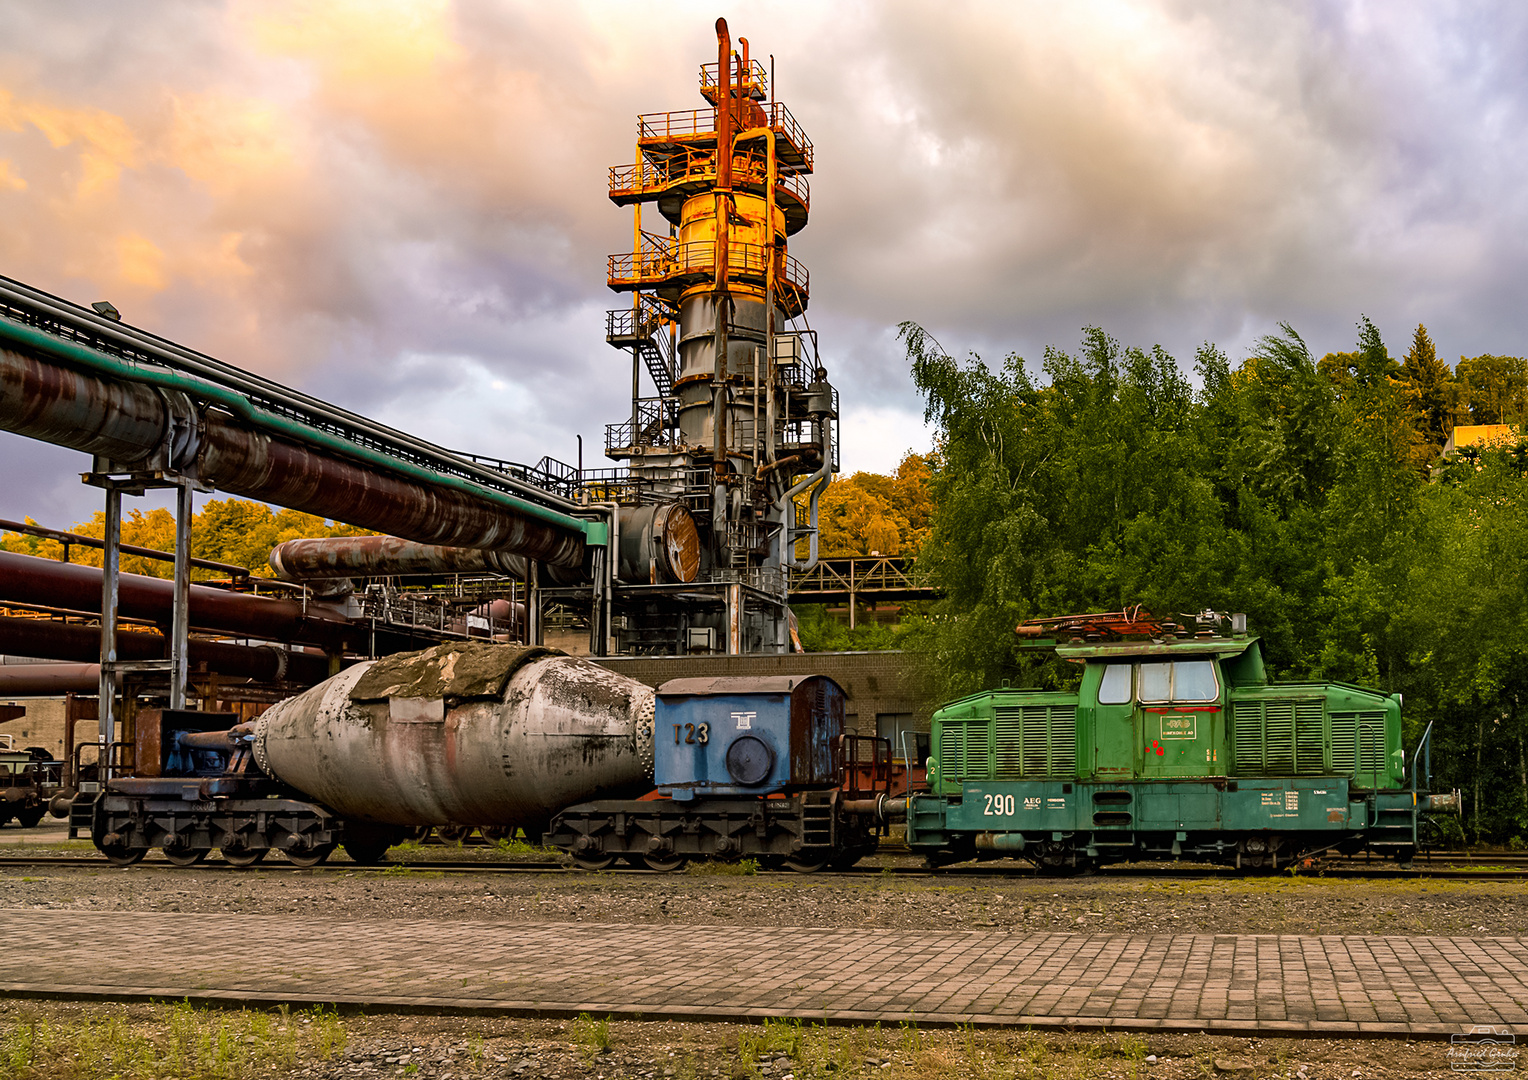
{"x":1177,"y":680}
{"x":1115,"y":688}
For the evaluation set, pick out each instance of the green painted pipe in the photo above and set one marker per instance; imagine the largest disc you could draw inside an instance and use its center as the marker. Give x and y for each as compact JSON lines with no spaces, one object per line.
{"x":39,"y":341}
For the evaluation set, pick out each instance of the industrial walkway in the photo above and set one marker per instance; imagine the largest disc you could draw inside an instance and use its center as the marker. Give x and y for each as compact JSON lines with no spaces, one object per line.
{"x":1227,"y":983}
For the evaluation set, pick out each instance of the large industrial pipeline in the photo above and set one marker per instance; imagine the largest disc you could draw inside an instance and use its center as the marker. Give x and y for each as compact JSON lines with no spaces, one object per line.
{"x":51,"y":640}
{"x":657,"y":543}
{"x":26,"y":579}
{"x":138,"y":415}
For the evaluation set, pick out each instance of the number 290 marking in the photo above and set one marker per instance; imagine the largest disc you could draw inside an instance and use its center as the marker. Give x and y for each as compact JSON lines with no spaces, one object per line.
{"x":998,"y":806}
{"x":693,"y":734}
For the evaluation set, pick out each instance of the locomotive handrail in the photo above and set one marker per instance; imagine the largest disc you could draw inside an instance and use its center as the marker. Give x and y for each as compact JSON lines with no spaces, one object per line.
{"x":1424,"y":744}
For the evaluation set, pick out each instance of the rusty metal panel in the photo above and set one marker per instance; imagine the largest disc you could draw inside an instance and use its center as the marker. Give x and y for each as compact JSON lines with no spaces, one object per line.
{"x":454,"y":670}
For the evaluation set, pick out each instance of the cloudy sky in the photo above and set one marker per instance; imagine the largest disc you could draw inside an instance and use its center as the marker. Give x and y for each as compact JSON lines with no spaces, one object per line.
{"x":401,"y":206}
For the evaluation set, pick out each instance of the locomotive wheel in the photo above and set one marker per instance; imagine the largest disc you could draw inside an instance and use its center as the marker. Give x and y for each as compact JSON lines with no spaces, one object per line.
{"x":804,"y":866}
{"x":594,"y":860}
{"x":664,"y":864}
{"x":366,"y":852}
{"x":242,"y":856}
{"x":309,"y":857}
{"x":184,"y":856}
{"x":122,"y":855}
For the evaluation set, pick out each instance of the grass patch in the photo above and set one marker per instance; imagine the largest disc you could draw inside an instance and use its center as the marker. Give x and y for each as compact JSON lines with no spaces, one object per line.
{"x":175,"y":1041}
{"x":741,"y":868}
{"x":591,"y":1035}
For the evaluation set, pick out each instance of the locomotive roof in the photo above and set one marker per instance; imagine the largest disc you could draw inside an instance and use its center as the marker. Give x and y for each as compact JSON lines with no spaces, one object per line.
{"x":737,"y":684}
{"x":1207,"y":646}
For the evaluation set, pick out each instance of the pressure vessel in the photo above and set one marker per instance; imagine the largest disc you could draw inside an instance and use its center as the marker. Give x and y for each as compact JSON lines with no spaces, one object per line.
{"x":466,"y":733}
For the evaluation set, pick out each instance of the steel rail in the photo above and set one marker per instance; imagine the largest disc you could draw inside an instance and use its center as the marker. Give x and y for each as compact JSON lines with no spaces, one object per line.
{"x":93,"y":861}
{"x":309,"y":411}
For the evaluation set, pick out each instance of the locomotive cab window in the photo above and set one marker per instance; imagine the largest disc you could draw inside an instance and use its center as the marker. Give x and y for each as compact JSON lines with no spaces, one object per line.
{"x":1115,"y":687}
{"x":1179,"y":680}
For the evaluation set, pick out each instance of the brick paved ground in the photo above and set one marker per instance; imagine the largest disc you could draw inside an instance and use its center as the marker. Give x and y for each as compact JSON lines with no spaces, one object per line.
{"x":1225,"y":982}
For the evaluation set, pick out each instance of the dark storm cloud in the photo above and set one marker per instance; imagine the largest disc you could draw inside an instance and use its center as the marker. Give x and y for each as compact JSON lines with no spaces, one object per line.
{"x":401,"y":206}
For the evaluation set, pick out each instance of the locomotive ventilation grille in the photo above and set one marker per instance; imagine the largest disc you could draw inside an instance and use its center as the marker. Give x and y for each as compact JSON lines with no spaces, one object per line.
{"x":1280,"y":738}
{"x":1358,"y":742}
{"x":1291,"y":738}
{"x":1019,"y":741}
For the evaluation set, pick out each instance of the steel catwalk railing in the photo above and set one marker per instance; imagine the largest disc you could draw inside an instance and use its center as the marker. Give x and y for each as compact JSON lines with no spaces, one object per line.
{"x":693,"y":166}
{"x":699,"y":123}
{"x":862,"y":576}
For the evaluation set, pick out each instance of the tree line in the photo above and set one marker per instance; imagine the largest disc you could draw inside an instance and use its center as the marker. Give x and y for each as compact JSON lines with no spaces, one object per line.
{"x":1310,"y":493}
{"x":235,"y":531}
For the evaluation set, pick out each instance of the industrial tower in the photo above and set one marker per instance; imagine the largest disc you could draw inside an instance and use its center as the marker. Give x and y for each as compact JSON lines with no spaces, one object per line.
{"x":739,"y":424}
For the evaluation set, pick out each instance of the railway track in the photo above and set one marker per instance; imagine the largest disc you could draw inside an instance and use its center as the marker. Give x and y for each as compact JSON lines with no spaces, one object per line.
{"x":1437,"y":869}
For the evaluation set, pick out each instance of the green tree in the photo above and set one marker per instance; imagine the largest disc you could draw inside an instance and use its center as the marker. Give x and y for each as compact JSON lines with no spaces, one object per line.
{"x":1494,"y":388}
{"x":1435,"y":395}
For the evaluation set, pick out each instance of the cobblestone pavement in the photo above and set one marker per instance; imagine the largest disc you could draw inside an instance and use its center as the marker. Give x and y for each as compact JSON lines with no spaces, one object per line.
{"x":1216,"y":983}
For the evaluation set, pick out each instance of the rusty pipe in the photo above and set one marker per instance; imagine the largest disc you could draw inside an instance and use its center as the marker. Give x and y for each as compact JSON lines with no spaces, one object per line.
{"x":49,"y":680}
{"x":216,"y":740}
{"x":51,"y":640}
{"x":385,"y":556}
{"x":663,"y":531}
{"x":25,"y":579}
{"x":723,"y":107}
{"x":128,"y":422}
{"x":770,"y":466}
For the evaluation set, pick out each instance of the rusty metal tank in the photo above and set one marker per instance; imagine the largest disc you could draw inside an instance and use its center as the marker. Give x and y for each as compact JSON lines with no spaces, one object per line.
{"x":469,"y":733}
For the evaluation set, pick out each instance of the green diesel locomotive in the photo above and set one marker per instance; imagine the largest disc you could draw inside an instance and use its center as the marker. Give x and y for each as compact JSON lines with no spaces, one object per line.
{"x":1175,"y":746}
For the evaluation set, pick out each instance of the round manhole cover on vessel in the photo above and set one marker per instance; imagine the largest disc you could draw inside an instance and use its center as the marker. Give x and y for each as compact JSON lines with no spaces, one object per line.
{"x":750,"y":760}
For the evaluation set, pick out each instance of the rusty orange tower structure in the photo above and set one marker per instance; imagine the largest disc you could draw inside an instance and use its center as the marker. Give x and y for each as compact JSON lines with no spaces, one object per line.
{"x":740,"y":424}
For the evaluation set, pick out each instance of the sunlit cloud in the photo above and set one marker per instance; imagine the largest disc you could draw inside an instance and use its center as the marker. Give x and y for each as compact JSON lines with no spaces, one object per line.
{"x":401,"y":204}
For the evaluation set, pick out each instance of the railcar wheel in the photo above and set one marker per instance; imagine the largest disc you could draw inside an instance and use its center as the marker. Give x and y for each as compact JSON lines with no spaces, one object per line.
{"x":181,"y":856}
{"x":494,"y":833}
{"x":804,"y":866}
{"x":594,"y":860}
{"x":242,"y":856}
{"x":366,"y":852}
{"x":5,"y":818}
{"x":453,"y":833}
{"x":310,"y":857}
{"x":665,"y":864}
{"x":122,"y":855}
{"x":30,"y":817}
{"x":846,"y":861}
